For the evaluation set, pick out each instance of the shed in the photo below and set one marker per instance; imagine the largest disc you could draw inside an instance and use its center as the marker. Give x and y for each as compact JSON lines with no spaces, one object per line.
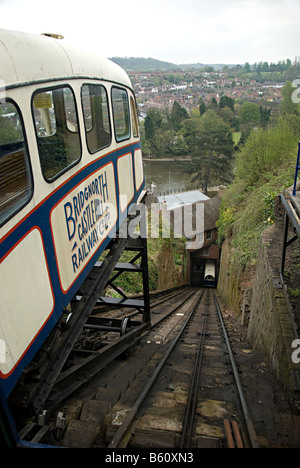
{"x":178,"y":200}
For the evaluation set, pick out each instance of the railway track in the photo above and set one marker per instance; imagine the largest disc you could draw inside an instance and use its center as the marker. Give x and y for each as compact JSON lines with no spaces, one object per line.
{"x":175,"y":387}
{"x":95,"y":349}
{"x":149,"y":395}
{"x":183,"y":403}
{"x":112,"y":346}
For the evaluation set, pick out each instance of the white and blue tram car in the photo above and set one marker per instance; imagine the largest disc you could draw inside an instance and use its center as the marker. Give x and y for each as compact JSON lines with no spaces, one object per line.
{"x":210,"y":274}
{"x":70,"y":166}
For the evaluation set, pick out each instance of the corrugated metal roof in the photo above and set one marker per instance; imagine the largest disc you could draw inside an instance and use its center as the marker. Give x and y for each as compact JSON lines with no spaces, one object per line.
{"x":177,"y":200}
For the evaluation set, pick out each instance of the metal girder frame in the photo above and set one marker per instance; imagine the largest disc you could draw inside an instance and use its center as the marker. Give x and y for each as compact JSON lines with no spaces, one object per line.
{"x":83,"y":308}
{"x":73,"y":379}
{"x":142,"y":305}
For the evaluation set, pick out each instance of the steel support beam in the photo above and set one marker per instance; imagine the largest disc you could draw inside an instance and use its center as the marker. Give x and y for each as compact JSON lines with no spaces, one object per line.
{"x":92,"y":290}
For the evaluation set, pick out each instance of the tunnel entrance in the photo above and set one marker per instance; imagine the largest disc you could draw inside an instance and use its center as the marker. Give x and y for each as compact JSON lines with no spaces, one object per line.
{"x":203,"y":270}
{"x":197,"y":272}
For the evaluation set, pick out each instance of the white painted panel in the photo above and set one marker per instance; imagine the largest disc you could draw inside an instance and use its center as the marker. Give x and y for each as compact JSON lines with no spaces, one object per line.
{"x":25,"y":57}
{"x":139,"y":170}
{"x":125,"y":178}
{"x":25,"y":296}
{"x":81,"y":221}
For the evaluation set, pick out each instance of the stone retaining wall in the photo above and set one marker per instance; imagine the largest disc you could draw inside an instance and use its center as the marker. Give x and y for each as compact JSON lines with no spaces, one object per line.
{"x":271,"y":327}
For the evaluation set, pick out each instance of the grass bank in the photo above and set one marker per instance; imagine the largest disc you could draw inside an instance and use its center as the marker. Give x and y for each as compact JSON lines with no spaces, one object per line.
{"x":264,"y":168}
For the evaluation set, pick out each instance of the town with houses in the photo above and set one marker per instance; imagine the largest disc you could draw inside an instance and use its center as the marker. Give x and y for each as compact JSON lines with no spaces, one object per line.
{"x":154,"y":91}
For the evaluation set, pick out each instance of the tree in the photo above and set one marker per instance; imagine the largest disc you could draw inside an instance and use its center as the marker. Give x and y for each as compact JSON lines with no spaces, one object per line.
{"x":264,"y":115}
{"x":211,"y":146}
{"x":153,"y":121}
{"x":188,"y":134}
{"x":227,"y":115}
{"x":202,"y":107}
{"x":265,"y":67}
{"x":213,"y":105}
{"x":249,"y":112}
{"x":226,"y":101}
{"x":162,"y":142}
{"x":287,"y":106}
{"x":178,"y":114}
{"x":159,"y":133}
{"x":247,"y":68}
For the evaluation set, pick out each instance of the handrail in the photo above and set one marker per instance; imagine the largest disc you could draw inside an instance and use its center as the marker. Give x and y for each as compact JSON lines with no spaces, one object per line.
{"x":296,"y":173}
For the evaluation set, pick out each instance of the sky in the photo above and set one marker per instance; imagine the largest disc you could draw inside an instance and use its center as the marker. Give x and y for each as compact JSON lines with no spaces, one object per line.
{"x":177,"y":31}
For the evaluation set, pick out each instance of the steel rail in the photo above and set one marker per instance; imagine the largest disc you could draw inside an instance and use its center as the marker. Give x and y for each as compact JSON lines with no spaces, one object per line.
{"x":248,"y":419}
{"x":160,"y":298}
{"x":76,"y":376}
{"x":161,"y":319}
{"x":193,"y":393}
{"x":122,"y":436}
{"x":169,"y":296}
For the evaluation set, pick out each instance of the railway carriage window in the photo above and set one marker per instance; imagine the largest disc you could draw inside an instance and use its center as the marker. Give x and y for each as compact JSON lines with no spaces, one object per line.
{"x":134,"y":118}
{"x":70,"y":110}
{"x":15,"y":175}
{"x":96,"y":117}
{"x":121,"y":114}
{"x":56,"y":124}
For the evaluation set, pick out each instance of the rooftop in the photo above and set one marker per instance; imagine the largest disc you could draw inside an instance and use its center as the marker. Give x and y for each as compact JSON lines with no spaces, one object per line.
{"x":27,"y":58}
{"x":178,"y":200}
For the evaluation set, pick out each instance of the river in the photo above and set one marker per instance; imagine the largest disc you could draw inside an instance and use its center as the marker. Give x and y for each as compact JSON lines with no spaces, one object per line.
{"x":167,"y":175}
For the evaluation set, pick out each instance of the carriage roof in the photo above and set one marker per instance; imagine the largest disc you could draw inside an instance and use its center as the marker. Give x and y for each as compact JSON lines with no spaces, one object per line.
{"x":28,"y":58}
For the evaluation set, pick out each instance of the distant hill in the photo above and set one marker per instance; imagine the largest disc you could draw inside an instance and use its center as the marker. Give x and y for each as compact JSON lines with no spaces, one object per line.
{"x":143,"y":64}
{"x":150,"y":64}
{"x":215,"y":66}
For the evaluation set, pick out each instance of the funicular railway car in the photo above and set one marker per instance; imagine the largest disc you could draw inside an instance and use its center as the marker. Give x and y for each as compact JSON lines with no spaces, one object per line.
{"x":70,"y":166}
{"x":210,"y":274}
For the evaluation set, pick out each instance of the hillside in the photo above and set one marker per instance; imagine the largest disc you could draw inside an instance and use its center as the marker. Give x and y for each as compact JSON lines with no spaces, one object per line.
{"x":150,"y":64}
{"x":143,"y":64}
{"x":264,"y":168}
